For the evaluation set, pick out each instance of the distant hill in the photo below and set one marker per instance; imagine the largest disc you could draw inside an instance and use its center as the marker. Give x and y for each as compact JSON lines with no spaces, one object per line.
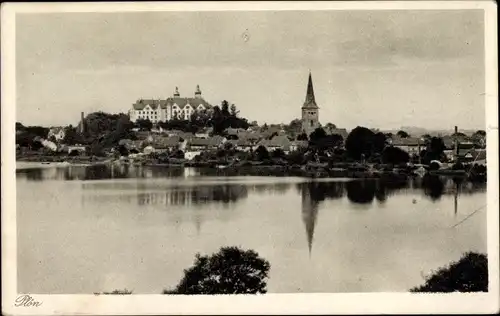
{"x":419,"y":131}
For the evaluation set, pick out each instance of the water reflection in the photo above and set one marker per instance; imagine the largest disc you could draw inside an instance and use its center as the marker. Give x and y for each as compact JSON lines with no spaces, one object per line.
{"x":361,"y":191}
{"x":99,"y":172}
{"x":367,"y":190}
{"x":194,"y":196}
{"x":433,"y":186}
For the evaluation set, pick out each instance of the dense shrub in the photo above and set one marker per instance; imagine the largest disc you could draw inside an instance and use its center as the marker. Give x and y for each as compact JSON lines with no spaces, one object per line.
{"x":395,"y":155}
{"x":229,"y":271}
{"x":262,"y":153}
{"x":458,"y":166}
{"x":434,"y":166}
{"x":469,"y":274}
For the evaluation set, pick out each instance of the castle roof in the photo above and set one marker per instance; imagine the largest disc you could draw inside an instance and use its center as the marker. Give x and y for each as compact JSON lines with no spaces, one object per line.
{"x":180,"y":102}
{"x":310,"y":102}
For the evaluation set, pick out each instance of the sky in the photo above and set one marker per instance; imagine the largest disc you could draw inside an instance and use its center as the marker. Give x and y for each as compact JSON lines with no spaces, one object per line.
{"x":380,"y":69}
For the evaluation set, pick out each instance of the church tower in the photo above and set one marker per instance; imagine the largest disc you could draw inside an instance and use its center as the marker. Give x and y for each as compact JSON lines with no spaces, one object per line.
{"x":197,"y":92}
{"x":310,"y":110}
{"x":310,"y":208}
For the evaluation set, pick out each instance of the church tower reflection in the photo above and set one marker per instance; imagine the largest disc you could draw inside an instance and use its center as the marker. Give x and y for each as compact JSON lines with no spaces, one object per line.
{"x":457,"y":186}
{"x":309,"y":213}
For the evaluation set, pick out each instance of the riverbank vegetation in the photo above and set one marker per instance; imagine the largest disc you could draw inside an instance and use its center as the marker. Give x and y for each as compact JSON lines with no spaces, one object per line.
{"x":469,"y":274}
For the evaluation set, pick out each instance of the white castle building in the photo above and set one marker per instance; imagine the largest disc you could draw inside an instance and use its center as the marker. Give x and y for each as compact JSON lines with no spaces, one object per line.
{"x":173,"y":107}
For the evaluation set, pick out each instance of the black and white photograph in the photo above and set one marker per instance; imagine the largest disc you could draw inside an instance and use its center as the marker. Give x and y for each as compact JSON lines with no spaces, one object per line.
{"x":199,"y":151}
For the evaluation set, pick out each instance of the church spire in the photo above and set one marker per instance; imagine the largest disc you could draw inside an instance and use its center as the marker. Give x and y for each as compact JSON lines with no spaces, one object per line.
{"x":310,"y":101}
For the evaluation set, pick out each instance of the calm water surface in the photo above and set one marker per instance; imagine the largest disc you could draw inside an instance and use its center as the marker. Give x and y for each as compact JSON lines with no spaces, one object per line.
{"x":91,"y":229}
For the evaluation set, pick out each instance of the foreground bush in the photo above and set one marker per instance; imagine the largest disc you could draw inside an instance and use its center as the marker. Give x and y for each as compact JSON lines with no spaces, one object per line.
{"x":229,"y":271}
{"x":469,"y":274}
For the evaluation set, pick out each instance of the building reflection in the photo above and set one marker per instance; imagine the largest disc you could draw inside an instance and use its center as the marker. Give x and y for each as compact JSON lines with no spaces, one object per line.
{"x":389,"y":185}
{"x":433,"y":186}
{"x":99,"y":172}
{"x":360,"y":191}
{"x":192,"y":196}
{"x":365,"y":191}
{"x":312,"y":194}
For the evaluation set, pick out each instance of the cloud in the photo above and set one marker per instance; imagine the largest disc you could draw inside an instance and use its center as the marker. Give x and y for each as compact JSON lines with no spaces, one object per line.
{"x":358,"y":58}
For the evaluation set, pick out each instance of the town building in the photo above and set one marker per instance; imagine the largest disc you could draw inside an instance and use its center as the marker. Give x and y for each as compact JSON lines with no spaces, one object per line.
{"x":412,"y":145}
{"x":310,"y":110}
{"x":211,"y":143}
{"x":167,"y":109}
{"x":277,"y":142}
{"x":163,"y":144}
{"x":58,"y":133}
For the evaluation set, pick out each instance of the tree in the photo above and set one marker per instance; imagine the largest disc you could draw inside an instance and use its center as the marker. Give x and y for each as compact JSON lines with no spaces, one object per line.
{"x":229,"y":271}
{"x":19,"y":126}
{"x":469,"y":274}
{"x":362,"y":142}
{"x":262,"y":153}
{"x":228,"y":146}
{"x":179,"y":154}
{"x":295,"y":125}
{"x":225,"y":108}
{"x":481,"y":133}
{"x":330,"y":126}
{"x":144,"y":124}
{"x":479,"y":139}
{"x":71,"y":136}
{"x":434,"y":151}
{"x":427,"y":139}
{"x":222,"y":119}
{"x":296,"y":157}
{"x":317,"y":135}
{"x":436,"y":145}
{"x":302,"y":136}
{"x":458,"y":134}
{"x":326,"y":145}
{"x":25,"y":135}
{"x":38,"y":131}
{"x":96,"y":149}
{"x":379,"y":143}
{"x":234,"y":111}
{"x":123,"y":150}
{"x":74,"y":153}
{"x":403,"y":134}
{"x":278,"y":153}
{"x":394,"y":155}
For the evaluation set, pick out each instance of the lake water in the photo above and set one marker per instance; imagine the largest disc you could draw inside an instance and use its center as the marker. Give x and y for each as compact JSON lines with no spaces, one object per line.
{"x":96,"y":228}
